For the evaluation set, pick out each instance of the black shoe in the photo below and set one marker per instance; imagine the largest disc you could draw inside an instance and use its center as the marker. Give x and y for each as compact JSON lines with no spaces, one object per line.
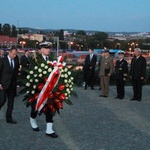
{"x":11,"y":121}
{"x":139,"y":99}
{"x":86,"y":87}
{"x":92,"y":89}
{"x":36,"y":129}
{"x":105,"y":96}
{"x":101,"y":95}
{"x":116,"y":97}
{"x":53,"y":135}
{"x":99,"y":89}
{"x":133,"y":99}
{"x":121,"y":98}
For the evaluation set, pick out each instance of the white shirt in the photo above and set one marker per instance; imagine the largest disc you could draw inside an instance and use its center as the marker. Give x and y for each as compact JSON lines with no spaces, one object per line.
{"x":45,"y":57}
{"x":91,"y":56}
{"x":10,"y":61}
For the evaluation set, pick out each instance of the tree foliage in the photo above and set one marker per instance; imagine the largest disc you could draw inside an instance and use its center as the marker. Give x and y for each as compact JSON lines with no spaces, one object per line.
{"x":7,"y":29}
{"x":61,"y":34}
{"x":81,"y":33}
{"x":12,"y":31}
{"x":100,"y":36}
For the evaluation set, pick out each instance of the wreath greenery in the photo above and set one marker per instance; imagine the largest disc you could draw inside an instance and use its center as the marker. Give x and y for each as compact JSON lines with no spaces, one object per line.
{"x":38,"y":73}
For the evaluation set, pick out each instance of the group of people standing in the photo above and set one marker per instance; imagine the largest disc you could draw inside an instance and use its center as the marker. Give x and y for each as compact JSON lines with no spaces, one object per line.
{"x":120,"y":70}
{"x":9,"y":67}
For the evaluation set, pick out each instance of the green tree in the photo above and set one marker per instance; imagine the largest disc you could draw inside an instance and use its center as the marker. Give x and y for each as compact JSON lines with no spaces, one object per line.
{"x":1,"y":29}
{"x":61,"y":34}
{"x":7,"y":29}
{"x":100,"y":36}
{"x":23,"y":31}
{"x":80,"y":33}
{"x":14,"y":31}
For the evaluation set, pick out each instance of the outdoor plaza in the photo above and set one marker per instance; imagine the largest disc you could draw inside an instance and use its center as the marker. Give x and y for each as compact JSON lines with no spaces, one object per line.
{"x":91,"y":123}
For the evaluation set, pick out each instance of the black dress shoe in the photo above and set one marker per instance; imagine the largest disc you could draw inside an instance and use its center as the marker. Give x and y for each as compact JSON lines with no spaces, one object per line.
{"x":53,"y":135}
{"x":85,"y":87}
{"x":11,"y":121}
{"x":36,"y":129}
{"x":139,"y":99}
{"x":116,"y":97}
{"x":105,"y":96}
{"x":101,"y":95}
{"x":133,"y":99}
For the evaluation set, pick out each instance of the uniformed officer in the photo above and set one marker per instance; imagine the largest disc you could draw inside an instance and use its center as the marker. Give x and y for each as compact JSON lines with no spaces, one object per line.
{"x":121,"y":70}
{"x":106,"y":70}
{"x":45,"y":52}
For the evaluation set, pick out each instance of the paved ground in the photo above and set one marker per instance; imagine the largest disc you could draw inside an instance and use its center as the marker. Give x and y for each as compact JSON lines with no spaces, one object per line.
{"x":92,"y":123}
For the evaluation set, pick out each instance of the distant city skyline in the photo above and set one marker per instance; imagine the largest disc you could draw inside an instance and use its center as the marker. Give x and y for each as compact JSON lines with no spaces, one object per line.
{"x":99,"y":15}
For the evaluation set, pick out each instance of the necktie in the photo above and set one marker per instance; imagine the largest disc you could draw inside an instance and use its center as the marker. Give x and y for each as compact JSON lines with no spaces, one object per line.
{"x":11,"y":64}
{"x":46,"y":57}
{"x":91,"y":57}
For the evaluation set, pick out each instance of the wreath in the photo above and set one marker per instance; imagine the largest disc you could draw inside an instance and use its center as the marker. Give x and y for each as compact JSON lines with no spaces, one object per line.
{"x":48,"y":84}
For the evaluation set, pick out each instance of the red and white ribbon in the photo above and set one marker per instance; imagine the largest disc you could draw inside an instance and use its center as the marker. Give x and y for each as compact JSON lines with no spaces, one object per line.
{"x":50,"y":83}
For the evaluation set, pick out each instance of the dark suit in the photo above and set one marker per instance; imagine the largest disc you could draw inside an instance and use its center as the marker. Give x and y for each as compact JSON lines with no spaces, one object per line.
{"x":24,"y":62}
{"x":48,"y":113}
{"x":8,"y":79}
{"x":138,"y":70}
{"x":121,"y":70}
{"x":89,"y":70}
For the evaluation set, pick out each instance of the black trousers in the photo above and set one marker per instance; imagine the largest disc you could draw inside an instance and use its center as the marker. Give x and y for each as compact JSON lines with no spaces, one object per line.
{"x":120,"y":88}
{"x":48,"y":114}
{"x":89,"y":77}
{"x":137,"y":88}
{"x":8,"y":95}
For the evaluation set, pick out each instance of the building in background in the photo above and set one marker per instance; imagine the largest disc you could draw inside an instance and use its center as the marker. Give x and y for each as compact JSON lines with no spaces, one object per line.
{"x":37,"y":37}
{"x":6,"y":41}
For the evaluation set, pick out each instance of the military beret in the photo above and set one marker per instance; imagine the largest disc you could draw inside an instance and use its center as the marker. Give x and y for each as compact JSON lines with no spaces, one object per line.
{"x":45,"y":45}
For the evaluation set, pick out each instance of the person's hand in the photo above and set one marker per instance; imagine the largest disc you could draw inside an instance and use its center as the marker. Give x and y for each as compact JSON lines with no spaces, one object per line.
{"x":109,"y":74}
{"x":1,"y":88}
{"x":124,"y":79}
{"x":142,"y":78}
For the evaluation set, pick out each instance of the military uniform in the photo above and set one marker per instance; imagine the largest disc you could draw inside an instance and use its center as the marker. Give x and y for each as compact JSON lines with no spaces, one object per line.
{"x":48,"y":114}
{"x":106,"y":70}
{"x":121,"y":70}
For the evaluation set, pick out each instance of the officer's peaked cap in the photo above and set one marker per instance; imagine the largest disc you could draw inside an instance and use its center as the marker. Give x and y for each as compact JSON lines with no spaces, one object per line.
{"x":45,"y":45}
{"x":121,"y":52}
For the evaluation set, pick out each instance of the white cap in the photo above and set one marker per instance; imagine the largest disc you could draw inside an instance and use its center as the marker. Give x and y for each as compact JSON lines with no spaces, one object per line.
{"x":121,"y":52}
{"x":45,"y":44}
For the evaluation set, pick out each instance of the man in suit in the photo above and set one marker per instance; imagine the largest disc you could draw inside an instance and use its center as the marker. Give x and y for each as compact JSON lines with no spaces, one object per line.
{"x":106,"y":70}
{"x":8,"y":79}
{"x":45,"y":52}
{"x":121,"y":71}
{"x":24,"y":62}
{"x":89,"y":69}
{"x":137,"y":74}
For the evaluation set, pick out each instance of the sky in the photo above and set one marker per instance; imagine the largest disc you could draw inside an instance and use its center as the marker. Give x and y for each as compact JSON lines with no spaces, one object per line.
{"x":96,"y":15}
